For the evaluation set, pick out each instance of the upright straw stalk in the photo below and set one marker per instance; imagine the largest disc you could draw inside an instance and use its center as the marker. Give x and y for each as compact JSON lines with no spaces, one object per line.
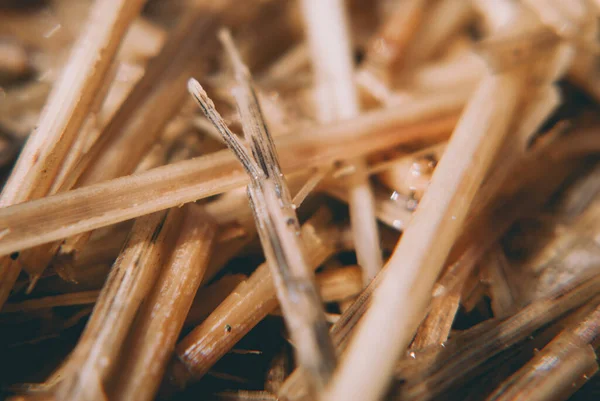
{"x":337,"y":99}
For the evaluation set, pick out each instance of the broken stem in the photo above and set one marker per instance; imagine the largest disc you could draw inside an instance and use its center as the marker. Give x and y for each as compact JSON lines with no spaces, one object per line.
{"x":277,"y":223}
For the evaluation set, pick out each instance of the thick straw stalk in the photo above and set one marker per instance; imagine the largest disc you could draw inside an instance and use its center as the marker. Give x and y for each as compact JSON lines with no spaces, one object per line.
{"x":416,"y":263}
{"x":159,"y":322}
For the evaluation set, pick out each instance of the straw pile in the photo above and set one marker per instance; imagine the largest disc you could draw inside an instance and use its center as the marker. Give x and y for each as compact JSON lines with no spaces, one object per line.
{"x":433,"y":162}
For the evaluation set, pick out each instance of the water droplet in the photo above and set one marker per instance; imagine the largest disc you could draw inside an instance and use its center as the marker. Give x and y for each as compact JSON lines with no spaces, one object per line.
{"x":438,"y":290}
{"x":413,"y":355}
{"x":394,"y":196}
{"x":411,"y":204}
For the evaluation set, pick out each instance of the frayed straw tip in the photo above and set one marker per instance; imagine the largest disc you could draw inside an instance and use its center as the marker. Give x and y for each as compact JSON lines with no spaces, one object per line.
{"x":195,"y":88}
{"x":224,"y":36}
{"x":200,"y":94}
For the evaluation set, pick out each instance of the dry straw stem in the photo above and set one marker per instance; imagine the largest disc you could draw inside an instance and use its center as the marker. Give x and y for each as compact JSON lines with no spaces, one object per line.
{"x":78,"y":298}
{"x":247,"y":305}
{"x":560,"y":369}
{"x":159,"y":322}
{"x":486,"y":223}
{"x":435,"y":328}
{"x":410,"y":175}
{"x":35,"y":260}
{"x":458,"y":70}
{"x":103,"y":106}
{"x":86,"y":278}
{"x":292,"y":62}
{"x":65,"y":112}
{"x":335,"y":285}
{"x":210,"y":297}
{"x":580,"y":143}
{"x":440,"y":23}
{"x":132,"y":277}
{"x":416,"y":263}
{"x":311,"y":184}
{"x":433,"y":371}
{"x":59,"y":216}
{"x":339,"y":284}
{"x":337,"y":99}
{"x":443,"y":19}
{"x":389,"y":45}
